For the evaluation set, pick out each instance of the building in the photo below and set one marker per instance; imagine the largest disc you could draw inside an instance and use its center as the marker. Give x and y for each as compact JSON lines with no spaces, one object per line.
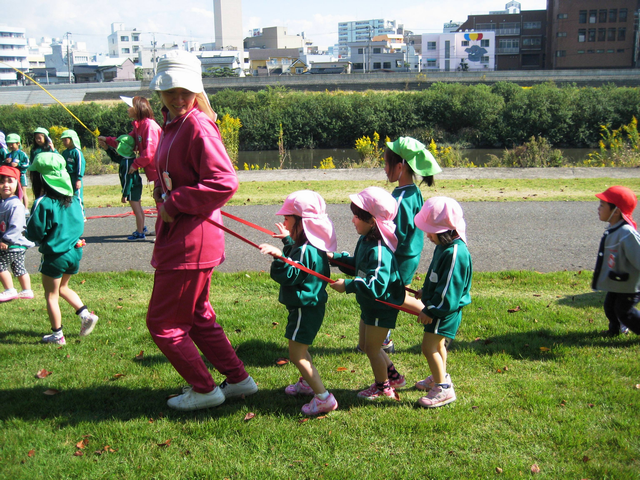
{"x":272,"y":61}
{"x":473,"y":51}
{"x":520,"y":35}
{"x":451,"y":26}
{"x":110,"y":70}
{"x":274,"y":37}
{"x":363,"y":30}
{"x":124,"y":43}
{"x":380,"y":55}
{"x":13,"y":53}
{"x":228,"y":24}
{"x":214,"y":60}
{"x":58,"y":60}
{"x":592,"y":34}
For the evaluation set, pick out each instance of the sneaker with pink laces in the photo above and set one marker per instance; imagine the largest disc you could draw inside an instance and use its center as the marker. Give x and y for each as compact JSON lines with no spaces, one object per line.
{"x":88,"y":323}
{"x":53,"y":338}
{"x":373,"y":392}
{"x":437,"y":397}
{"x":428,"y":383}
{"x":316,"y":406}
{"x":301,"y":387}
{"x":398,"y":382}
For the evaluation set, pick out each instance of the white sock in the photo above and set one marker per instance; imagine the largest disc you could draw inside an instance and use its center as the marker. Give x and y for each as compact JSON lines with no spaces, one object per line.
{"x":323,"y":396}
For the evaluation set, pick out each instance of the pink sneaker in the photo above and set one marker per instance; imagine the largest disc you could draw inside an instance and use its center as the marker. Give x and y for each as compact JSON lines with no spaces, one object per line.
{"x":372,"y":393}
{"x":316,"y":406}
{"x":428,"y":383}
{"x":87,"y":324}
{"x":299,"y":388}
{"x":398,"y":382}
{"x":437,"y":397}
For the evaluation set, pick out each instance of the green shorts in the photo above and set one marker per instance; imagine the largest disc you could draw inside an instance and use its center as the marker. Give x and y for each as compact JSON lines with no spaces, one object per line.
{"x":407,"y":267}
{"x":135,"y":194}
{"x":304,"y":323}
{"x":55,"y":266}
{"x":379,"y":317}
{"x":447,"y":327}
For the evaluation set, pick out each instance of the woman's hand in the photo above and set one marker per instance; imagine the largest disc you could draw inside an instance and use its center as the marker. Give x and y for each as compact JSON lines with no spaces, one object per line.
{"x":267,"y":249}
{"x":164,"y":215}
{"x":284,"y":233}
{"x":339,"y":286}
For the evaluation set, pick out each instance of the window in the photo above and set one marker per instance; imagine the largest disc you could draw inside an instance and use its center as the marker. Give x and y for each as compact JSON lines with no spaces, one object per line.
{"x":611,"y":35}
{"x":593,"y":16}
{"x":431,"y":45}
{"x":582,"y":35}
{"x":124,"y":38}
{"x":465,"y":43}
{"x":135,"y":38}
{"x":580,"y":51}
{"x":431,"y":63}
{"x":591,"y":51}
{"x":562,"y":16}
{"x":602,"y":16}
{"x":360,"y":51}
{"x":399,"y":63}
{"x":125,"y":50}
{"x":592,"y":35}
{"x":600,"y":51}
{"x":377,"y":50}
{"x":509,"y":43}
{"x":386,"y":65}
{"x":531,"y":25}
{"x":531,"y":41}
{"x":484,"y":60}
{"x":376,"y":65}
{"x":561,"y":34}
{"x":622,"y":34}
{"x":613,"y":14}
{"x":620,"y":50}
{"x":610,"y":50}
{"x":622,"y":15}
{"x":582,"y":16}
{"x":561,"y":53}
{"x":602,"y":33}
{"x":299,"y":70}
{"x":358,"y":66}
{"x":484,"y":43}
{"x":136,"y":49}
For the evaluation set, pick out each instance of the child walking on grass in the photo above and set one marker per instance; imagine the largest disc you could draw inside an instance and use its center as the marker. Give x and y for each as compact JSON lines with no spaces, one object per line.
{"x":18,"y":159}
{"x":376,"y":277}
{"x":76,"y":163}
{"x":617,"y":269}
{"x":13,"y":244}
{"x":404,"y":160}
{"x":56,"y":223}
{"x":307,"y":234}
{"x":444,"y":293}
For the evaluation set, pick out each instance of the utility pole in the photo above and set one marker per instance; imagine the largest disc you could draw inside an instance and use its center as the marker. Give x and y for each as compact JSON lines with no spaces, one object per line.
{"x":68,"y":34}
{"x":153,"y":44}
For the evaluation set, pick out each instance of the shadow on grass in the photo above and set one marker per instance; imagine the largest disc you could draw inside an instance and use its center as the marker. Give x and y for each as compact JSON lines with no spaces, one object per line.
{"x":10,"y":336}
{"x":107,"y":403}
{"x":584,"y":300}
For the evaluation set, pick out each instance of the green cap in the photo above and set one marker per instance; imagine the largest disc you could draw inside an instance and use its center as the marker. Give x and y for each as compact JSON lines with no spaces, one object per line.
{"x":53,"y":168}
{"x":44,"y":131}
{"x":13,"y":138}
{"x":126,"y":146}
{"x":73,"y":136}
{"x":416,"y":155}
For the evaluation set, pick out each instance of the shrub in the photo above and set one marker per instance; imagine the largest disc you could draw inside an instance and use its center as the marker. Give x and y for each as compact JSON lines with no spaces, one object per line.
{"x":537,"y":152}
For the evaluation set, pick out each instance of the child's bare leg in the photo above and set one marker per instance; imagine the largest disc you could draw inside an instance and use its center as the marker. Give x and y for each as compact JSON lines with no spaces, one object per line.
{"x":6,"y":279}
{"x":299,"y":355}
{"x":139,"y":214}
{"x":69,"y":295}
{"x":436,"y":354}
{"x":25,"y":281}
{"x":25,"y":198}
{"x":374,"y":336}
{"x":51,"y":293}
{"x":361,"y":335}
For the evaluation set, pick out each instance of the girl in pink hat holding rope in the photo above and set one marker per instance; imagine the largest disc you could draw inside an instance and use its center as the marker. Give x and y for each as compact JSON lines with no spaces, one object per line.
{"x":307,"y":234}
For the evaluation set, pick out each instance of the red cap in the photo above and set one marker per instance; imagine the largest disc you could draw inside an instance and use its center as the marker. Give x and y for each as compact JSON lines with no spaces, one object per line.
{"x":623,"y":198}
{"x":8,"y":171}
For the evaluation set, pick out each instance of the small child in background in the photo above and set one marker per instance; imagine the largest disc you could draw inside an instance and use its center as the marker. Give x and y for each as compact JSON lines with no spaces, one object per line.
{"x":376,"y":277}
{"x":41,"y":143}
{"x":3,"y":148}
{"x":130,"y":180}
{"x":307,"y":234}
{"x":75,"y":162}
{"x":18,"y":159}
{"x":13,"y":244}
{"x":404,"y":159}
{"x":617,"y":270}
{"x":56,"y":223}
{"x":444,"y":293}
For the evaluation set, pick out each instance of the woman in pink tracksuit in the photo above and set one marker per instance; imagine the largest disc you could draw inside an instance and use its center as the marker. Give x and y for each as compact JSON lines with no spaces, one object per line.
{"x":196,"y":180}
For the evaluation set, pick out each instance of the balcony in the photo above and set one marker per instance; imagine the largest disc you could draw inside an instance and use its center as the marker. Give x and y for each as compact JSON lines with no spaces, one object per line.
{"x":507,"y":31}
{"x":507,"y":50}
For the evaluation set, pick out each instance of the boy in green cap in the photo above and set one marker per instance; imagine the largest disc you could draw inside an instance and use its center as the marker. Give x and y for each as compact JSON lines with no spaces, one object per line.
{"x":75,"y":162}
{"x":18,"y":159}
{"x":131,"y":183}
{"x":56,"y":224}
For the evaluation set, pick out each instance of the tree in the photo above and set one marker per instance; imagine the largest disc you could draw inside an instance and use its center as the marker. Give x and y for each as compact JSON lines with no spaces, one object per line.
{"x":219,"y":73}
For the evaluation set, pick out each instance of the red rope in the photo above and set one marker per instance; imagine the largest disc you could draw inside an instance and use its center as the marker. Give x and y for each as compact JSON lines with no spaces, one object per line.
{"x":150,"y":212}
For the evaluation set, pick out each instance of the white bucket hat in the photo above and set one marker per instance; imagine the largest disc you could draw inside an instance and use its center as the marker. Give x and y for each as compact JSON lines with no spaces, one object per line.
{"x":317,"y":225}
{"x":178,"y":69}
{"x":384,"y":208}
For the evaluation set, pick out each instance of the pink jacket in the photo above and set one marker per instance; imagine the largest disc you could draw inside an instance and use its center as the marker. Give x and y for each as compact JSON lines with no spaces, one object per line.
{"x":203,"y":180}
{"x":146,"y":133}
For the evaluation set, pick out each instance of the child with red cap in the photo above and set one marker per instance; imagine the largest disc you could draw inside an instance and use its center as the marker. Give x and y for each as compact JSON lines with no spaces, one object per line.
{"x":308,"y":234}
{"x":617,"y":270}
{"x":444,"y":293}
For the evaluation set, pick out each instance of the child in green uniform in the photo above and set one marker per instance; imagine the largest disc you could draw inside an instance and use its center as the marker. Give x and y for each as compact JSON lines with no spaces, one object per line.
{"x":18,"y":159}
{"x":75,"y":162}
{"x":376,"y":277}
{"x":403,"y":160}
{"x":307,"y":234}
{"x":444,"y":293}
{"x":56,"y":223}
{"x":131,"y":183}
{"x":3,"y":148}
{"x":41,"y":143}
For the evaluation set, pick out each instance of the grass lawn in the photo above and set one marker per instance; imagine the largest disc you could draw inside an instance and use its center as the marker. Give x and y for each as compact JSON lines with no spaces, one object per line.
{"x":537,"y":386}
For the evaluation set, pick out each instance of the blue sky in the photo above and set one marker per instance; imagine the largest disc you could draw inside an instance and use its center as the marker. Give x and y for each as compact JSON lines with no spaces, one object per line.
{"x":90,"y":21}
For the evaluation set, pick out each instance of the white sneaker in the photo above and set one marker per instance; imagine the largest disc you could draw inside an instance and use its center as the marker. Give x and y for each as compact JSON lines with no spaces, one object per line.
{"x":26,"y":294}
{"x":246,"y":387}
{"x":8,"y":294}
{"x":53,"y":338}
{"x":191,"y":400}
{"x":87,"y":324}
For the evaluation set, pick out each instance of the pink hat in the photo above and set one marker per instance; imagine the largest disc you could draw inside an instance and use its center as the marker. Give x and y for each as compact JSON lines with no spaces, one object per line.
{"x":441,"y":214}
{"x":317,"y":225}
{"x":384,"y":208}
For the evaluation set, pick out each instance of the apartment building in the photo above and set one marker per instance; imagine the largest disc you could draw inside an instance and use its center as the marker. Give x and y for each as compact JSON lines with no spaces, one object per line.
{"x":363,"y":30}
{"x":474,"y":51}
{"x":124,"y":43}
{"x":13,"y":53}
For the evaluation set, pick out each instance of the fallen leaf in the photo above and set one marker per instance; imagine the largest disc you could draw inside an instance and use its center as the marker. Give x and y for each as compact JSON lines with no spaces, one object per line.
{"x":274,"y":323}
{"x":506,"y":369}
{"x":31,"y":453}
{"x":341,"y":369}
{"x":321,"y":417}
{"x":118,"y":307}
{"x":590,"y":405}
{"x":488,"y":341}
{"x":51,"y":391}
{"x":128,"y":328}
{"x":498,"y":470}
{"x":353,"y":371}
{"x":545,"y":349}
{"x":166,"y":443}
{"x":43,"y":373}
{"x":499,"y":371}
{"x":475,"y":407}
{"x":514,"y":310}
{"x":98,"y":452}
{"x":302,"y":420}
{"x":140,"y":355}
{"x":78,"y":453}
{"x":282,"y":361}
{"x":585,"y":459}
{"x":118,"y":375}
{"x":82,"y":282}
{"x":637,"y":387}
{"x":535,"y":468}
{"x":536,"y":295}
{"x":249,"y":416}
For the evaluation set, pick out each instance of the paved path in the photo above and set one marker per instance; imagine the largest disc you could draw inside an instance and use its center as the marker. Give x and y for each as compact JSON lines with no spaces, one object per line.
{"x":541,"y":236}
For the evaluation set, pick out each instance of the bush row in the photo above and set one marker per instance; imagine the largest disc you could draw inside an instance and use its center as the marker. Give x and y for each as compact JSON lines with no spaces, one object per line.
{"x":503,"y":114}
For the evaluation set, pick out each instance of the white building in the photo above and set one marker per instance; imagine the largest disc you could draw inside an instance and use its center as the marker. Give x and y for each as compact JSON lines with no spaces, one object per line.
{"x":363,"y":30}
{"x":228,"y":24}
{"x":124,"y":43}
{"x":13,"y":52}
{"x":449,"y":51}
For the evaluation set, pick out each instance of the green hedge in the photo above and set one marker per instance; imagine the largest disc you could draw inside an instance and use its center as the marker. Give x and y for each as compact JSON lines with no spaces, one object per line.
{"x":503,"y":114}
